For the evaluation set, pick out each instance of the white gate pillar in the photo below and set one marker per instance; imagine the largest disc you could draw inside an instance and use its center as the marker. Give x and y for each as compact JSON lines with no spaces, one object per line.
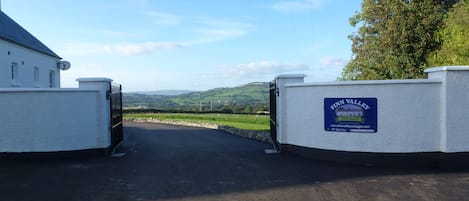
{"x":104,"y":117}
{"x":454,"y":109}
{"x":281,"y":81}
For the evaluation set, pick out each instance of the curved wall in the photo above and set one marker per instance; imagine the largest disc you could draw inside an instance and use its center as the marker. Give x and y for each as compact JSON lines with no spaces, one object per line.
{"x":413,"y":116}
{"x":408,"y":121}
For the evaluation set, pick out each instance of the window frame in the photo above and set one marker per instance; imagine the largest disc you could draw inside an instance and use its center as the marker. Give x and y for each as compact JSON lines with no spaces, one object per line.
{"x":51,"y":79}
{"x":36,"y":77}
{"x":14,"y":74}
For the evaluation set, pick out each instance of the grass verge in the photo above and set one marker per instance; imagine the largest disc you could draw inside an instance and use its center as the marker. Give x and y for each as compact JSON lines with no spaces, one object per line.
{"x":241,"y":121}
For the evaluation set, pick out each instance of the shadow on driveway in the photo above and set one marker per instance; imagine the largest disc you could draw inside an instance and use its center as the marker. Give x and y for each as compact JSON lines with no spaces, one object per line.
{"x":164,"y":162}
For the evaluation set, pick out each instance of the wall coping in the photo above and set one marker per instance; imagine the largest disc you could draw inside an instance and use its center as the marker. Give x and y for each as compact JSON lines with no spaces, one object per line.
{"x":447,"y":68}
{"x":290,"y":76}
{"x":367,"y":82}
{"x":18,"y":90}
{"x":94,"y":79}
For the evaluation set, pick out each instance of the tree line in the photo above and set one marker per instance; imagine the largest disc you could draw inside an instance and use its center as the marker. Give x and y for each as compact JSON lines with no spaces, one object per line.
{"x":399,"y":39}
{"x":239,"y":108}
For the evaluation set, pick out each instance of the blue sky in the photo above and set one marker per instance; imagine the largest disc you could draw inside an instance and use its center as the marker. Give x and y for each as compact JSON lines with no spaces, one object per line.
{"x":191,"y":44}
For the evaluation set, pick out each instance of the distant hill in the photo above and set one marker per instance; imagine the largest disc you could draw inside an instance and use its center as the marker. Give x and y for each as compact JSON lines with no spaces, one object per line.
{"x":250,"y":97}
{"x":164,"y":92}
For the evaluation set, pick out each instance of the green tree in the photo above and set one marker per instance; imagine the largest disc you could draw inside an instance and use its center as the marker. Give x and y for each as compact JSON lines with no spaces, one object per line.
{"x":454,"y":37}
{"x":394,"y":38}
{"x":248,"y":109}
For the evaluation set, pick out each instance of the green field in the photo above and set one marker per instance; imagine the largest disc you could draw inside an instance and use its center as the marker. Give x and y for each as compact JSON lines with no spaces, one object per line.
{"x":249,"y":98}
{"x":241,"y":121}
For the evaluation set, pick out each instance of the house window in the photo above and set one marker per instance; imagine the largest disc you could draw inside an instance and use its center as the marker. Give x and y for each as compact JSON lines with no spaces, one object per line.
{"x":15,"y":76}
{"x":14,"y":72}
{"x":36,"y":75}
{"x":51,"y":78}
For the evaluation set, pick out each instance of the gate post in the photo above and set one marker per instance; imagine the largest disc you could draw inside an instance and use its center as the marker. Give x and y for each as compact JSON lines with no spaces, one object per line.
{"x":454,"y":94}
{"x":104,"y":119}
{"x":281,"y":81}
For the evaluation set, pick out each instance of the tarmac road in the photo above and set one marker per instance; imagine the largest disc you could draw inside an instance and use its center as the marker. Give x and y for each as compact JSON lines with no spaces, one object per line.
{"x":164,"y":162}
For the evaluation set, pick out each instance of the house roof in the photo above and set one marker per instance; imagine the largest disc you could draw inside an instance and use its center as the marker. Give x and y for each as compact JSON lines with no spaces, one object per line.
{"x":12,"y":32}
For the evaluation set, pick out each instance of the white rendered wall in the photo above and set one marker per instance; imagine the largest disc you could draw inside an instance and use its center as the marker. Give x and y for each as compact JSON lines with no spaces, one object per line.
{"x":44,"y":120}
{"x":429,"y":115}
{"x":408,"y":116}
{"x":282,"y":80}
{"x":26,"y":60}
{"x":454,"y":106}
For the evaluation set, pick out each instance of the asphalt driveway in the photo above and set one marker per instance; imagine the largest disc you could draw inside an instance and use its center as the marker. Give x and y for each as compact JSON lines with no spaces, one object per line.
{"x":165,"y":162}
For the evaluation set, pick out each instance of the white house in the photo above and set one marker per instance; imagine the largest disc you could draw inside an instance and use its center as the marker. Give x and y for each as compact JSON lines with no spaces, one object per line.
{"x":26,"y":62}
{"x":39,"y":116}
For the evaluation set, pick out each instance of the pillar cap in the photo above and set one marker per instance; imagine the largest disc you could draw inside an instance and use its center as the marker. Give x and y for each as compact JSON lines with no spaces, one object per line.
{"x":94,"y":79}
{"x":290,"y":76}
{"x":447,"y":68}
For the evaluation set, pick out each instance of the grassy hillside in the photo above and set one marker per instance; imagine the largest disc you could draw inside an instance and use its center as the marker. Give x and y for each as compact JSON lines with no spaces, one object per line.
{"x":241,"y":121}
{"x":247,"y":98}
{"x":165,"y":92}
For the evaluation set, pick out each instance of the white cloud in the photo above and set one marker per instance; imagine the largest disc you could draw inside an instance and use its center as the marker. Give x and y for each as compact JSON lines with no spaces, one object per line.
{"x":130,"y":78}
{"x":214,"y":30}
{"x":328,"y":61}
{"x":297,"y":6}
{"x":263,"y":68}
{"x":165,"y":19}
{"x":146,"y":8}
{"x":208,"y":30}
{"x":127,"y":49}
{"x":209,"y":35}
{"x":222,"y":33}
{"x":115,"y":34}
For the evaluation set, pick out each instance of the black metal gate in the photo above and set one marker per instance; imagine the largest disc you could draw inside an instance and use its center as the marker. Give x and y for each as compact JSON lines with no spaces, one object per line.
{"x":117,"y":132}
{"x":273,"y":113}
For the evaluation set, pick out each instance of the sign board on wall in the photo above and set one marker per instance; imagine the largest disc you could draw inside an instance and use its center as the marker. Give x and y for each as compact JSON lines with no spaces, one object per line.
{"x":351,"y":115}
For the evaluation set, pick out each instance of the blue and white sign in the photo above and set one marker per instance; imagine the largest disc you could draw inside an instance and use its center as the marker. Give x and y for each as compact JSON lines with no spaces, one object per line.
{"x":351,"y":115}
